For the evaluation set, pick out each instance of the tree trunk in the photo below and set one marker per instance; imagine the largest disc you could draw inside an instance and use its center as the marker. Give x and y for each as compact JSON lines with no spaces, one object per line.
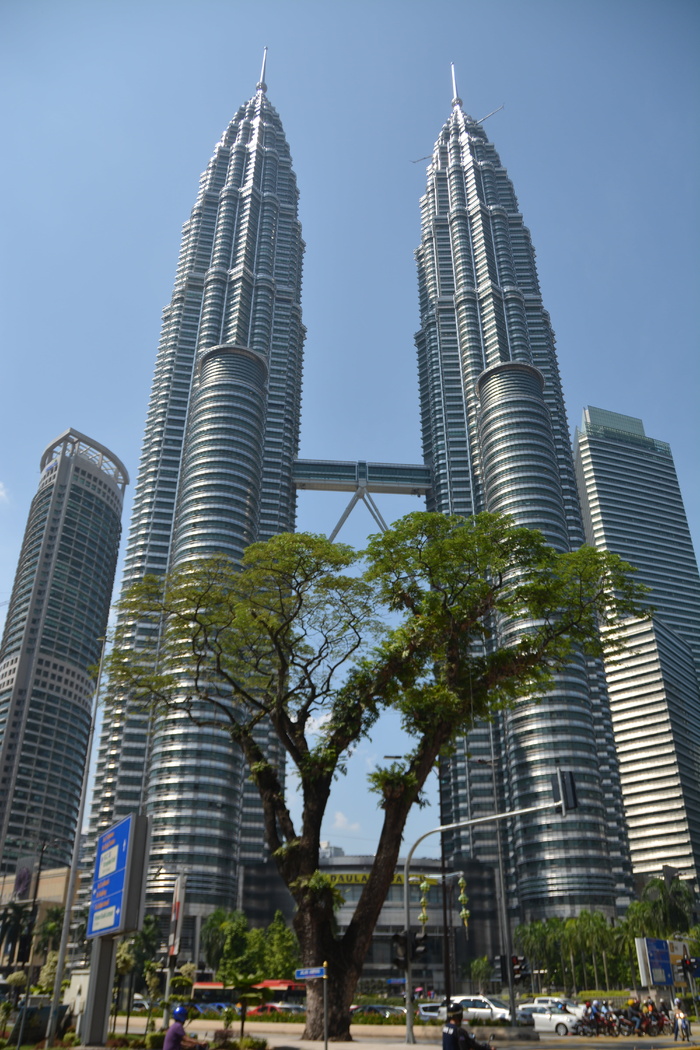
{"x":339,"y":991}
{"x":573,"y":971}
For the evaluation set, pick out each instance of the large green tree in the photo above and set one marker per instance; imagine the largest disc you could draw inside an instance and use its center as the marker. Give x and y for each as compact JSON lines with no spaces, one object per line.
{"x":15,"y":926}
{"x":670,"y":906}
{"x":48,"y":934}
{"x":296,"y":637}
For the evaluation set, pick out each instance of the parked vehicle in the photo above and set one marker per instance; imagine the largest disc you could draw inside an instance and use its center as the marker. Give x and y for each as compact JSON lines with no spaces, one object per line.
{"x":428,"y":1011}
{"x":384,"y":1009}
{"x":276,"y":1008}
{"x":477,"y":1008}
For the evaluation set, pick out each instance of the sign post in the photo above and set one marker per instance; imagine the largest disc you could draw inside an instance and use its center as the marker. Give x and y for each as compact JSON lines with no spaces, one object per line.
{"x":116,"y":906}
{"x":310,"y":973}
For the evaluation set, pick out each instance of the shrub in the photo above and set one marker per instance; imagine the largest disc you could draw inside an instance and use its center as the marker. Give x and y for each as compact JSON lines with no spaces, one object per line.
{"x":154,"y":1040}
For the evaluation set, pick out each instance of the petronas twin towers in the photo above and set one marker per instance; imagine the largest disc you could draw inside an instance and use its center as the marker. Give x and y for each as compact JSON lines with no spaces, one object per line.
{"x":218,"y":471}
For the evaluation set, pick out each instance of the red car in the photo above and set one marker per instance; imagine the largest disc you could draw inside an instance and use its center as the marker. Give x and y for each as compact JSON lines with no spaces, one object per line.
{"x":276,"y":1008}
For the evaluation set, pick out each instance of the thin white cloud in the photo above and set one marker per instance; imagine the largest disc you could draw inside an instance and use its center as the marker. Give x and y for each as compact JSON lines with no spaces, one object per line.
{"x":341,"y":823}
{"x":4,"y":495}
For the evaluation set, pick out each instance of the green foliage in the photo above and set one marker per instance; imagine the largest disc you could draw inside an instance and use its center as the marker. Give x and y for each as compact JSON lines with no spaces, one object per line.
{"x":481,"y":970}
{"x":588,"y":952}
{"x":272,"y":952}
{"x":669,"y":906}
{"x":47,"y":974}
{"x":48,"y":934}
{"x":18,"y":979}
{"x":154,"y":1040}
{"x":15,"y":923}
{"x":126,"y":960}
{"x":228,"y":1016}
{"x":5,"y":1011}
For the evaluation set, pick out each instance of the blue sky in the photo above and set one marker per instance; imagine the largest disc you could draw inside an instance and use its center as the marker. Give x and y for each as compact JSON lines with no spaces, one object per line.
{"x":111,"y":110}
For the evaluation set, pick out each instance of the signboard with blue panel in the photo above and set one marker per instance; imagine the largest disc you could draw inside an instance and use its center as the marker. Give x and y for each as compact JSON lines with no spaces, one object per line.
{"x":110,"y":881}
{"x":660,"y":966}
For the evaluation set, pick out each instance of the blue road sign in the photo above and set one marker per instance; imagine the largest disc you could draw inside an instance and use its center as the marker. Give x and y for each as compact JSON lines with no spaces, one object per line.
{"x":659,"y":961}
{"x":109,"y":881}
{"x":310,"y":971}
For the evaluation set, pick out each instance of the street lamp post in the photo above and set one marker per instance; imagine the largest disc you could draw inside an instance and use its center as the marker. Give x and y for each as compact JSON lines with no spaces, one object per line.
{"x":490,"y":819}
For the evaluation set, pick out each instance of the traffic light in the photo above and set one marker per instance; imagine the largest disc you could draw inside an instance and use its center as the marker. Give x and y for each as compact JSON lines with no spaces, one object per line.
{"x":564,"y":791}
{"x":399,"y":953}
{"x":687,"y":966}
{"x":517,"y":963}
{"x":419,"y":945}
{"x":502,"y":965}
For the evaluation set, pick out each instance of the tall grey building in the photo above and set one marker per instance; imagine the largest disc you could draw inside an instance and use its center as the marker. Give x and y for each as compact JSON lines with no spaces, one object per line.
{"x":215,"y":474}
{"x":495,"y":436}
{"x":632,"y":505}
{"x":53,"y":636}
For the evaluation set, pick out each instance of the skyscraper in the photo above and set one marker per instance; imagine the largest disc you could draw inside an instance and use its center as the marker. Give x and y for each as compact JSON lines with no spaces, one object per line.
{"x":632,"y":505}
{"x":495,"y":436}
{"x":53,"y":636}
{"x":216,"y":474}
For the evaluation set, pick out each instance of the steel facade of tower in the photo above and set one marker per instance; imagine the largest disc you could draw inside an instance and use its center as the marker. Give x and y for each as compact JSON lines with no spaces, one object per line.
{"x":632,"y":505}
{"x":496,"y":438}
{"x":216,"y":474}
{"x":53,"y":636}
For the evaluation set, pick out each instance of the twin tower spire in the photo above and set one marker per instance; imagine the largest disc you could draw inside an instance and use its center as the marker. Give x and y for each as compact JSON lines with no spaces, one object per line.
{"x":218,"y":472}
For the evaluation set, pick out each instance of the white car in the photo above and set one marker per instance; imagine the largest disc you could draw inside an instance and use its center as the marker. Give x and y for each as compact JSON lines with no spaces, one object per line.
{"x":560,"y":1021}
{"x":477,"y":1008}
{"x":556,"y":1002}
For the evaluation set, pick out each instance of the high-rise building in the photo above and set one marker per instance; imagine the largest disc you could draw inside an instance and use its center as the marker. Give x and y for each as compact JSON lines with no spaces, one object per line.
{"x":53,"y":636}
{"x":218,"y":471}
{"x":495,"y":436}
{"x":215,"y":474}
{"x":632,"y":505}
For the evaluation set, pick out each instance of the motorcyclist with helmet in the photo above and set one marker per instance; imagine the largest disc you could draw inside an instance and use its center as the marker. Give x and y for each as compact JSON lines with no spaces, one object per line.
{"x":454,"y":1037}
{"x":176,"y":1038}
{"x":634,"y":1014}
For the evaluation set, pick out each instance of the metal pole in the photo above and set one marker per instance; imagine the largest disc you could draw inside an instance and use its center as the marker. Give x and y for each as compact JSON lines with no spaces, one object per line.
{"x":506,"y":939}
{"x":32,"y":924}
{"x":325,"y":1006}
{"x":446,"y":937}
{"x":74,"y":864}
{"x":491,"y":819}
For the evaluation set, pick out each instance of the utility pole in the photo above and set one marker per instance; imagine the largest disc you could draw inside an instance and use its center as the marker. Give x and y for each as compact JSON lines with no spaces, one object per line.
{"x":564,"y":799}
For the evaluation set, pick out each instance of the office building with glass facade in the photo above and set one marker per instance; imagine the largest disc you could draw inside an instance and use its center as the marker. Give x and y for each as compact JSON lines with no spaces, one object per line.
{"x":52,"y":641}
{"x":632,"y":505}
{"x":216,"y":474}
{"x":495,"y":436}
